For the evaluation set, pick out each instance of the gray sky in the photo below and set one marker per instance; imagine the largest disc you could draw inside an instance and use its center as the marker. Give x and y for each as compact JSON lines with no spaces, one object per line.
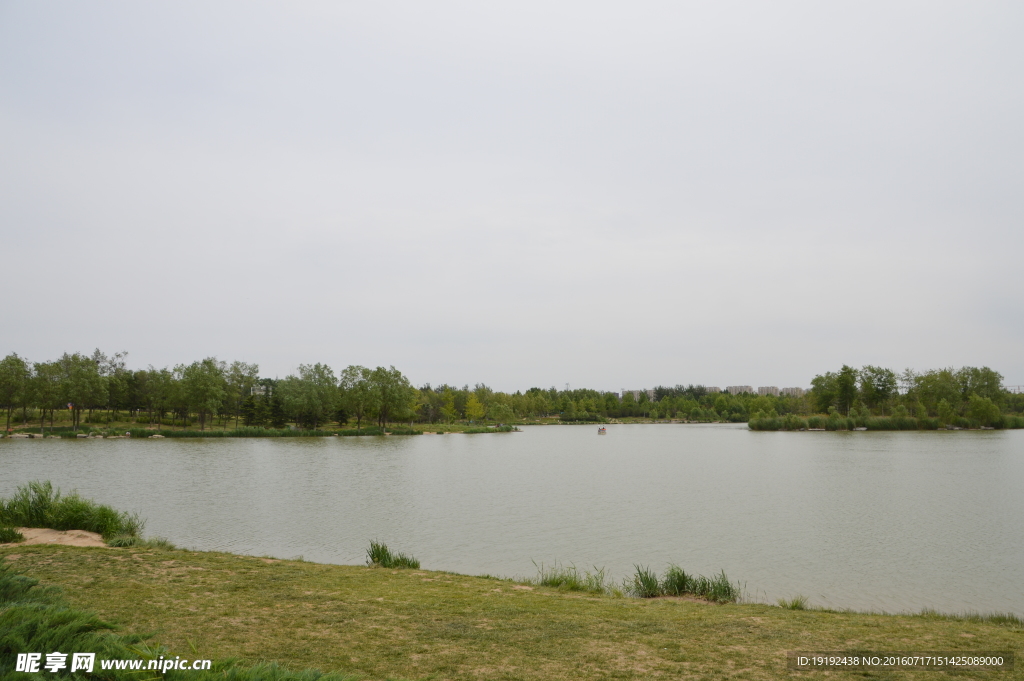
{"x":531,"y":193}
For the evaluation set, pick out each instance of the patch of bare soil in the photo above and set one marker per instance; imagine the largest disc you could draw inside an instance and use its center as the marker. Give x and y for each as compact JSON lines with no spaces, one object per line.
{"x":44,"y":535}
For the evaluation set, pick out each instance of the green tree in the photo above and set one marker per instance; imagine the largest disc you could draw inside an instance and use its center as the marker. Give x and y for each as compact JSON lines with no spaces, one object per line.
{"x":392,"y":395}
{"x":356,"y":392}
{"x":474,"y":409}
{"x":846,"y":388}
{"x":240,"y":379}
{"x":449,"y":411}
{"x":824,"y":391}
{"x":878,"y":386}
{"x":982,"y":410}
{"x":14,"y":375}
{"x":312,"y":396}
{"x":46,"y":390}
{"x":502,"y":413}
{"x":82,"y":386}
{"x":204,"y":387}
{"x":945,"y":412}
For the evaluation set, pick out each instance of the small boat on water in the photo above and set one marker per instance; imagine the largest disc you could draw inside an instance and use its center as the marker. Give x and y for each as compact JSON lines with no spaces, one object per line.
{"x":602,"y":430}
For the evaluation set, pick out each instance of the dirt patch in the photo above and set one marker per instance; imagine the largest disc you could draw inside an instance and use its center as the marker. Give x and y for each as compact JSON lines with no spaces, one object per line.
{"x":44,"y":535}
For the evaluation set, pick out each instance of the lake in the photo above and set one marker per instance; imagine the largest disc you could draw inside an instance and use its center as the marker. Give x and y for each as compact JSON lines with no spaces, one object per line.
{"x":888,"y":521}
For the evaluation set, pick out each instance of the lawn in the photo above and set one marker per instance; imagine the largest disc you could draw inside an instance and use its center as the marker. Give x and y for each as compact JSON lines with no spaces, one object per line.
{"x":381,"y":623}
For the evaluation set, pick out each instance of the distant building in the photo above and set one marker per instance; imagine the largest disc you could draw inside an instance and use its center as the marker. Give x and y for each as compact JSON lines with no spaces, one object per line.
{"x":258,"y":390}
{"x":768,"y":390}
{"x":712,"y":389}
{"x":793,"y":392}
{"x":737,"y":389}
{"x":637,"y":393}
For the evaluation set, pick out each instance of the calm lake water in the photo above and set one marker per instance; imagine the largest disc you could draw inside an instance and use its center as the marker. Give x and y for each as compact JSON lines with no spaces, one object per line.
{"x":885,"y":521}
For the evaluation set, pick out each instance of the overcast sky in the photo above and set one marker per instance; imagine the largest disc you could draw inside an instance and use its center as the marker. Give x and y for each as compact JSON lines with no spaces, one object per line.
{"x":611,"y":195}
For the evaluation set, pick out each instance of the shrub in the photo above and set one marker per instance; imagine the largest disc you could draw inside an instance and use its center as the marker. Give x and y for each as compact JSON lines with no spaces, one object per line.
{"x":380,"y":555}
{"x":816,"y":422}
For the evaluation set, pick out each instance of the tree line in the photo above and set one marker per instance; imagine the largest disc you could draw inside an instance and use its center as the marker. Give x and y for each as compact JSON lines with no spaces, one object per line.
{"x":99,"y":388}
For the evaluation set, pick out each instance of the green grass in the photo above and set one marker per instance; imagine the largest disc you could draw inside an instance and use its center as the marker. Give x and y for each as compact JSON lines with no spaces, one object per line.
{"x":797,"y":602}
{"x":10,"y":535}
{"x":380,"y":555}
{"x":37,"y":504}
{"x":644,"y":583}
{"x":571,"y":579}
{"x":717,"y":589}
{"x":33,"y":618}
{"x":377,"y":624}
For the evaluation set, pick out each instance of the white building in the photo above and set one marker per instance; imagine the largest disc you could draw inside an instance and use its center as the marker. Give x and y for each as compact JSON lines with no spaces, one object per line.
{"x":768,"y":390}
{"x":737,"y":389}
{"x":793,"y":392}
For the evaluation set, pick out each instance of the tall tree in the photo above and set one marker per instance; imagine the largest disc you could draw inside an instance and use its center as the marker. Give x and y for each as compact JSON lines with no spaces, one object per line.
{"x":203,"y":385}
{"x":241,"y":378}
{"x":877,"y":386}
{"x":14,"y":375}
{"x":46,"y":390}
{"x":393,"y":395}
{"x":312,"y":396}
{"x":356,"y":392}
{"x":82,"y":386}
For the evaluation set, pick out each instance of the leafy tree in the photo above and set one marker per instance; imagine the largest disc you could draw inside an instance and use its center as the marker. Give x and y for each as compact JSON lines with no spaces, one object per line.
{"x":204,"y":387}
{"x":946,"y":413}
{"x":356,"y":392}
{"x":982,"y":410}
{"x":877,"y":386}
{"x":240,"y":379}
{"x":475,"y":410}
{"x":14,"y":375}
{"x":392,"y":394}
{"x":502,"y":413}
{"x":81,"y":384}
{"x":846,"y":388}
{"x":275,"y":412}
{"x":449,"y":411}
{"x":46,"y":390}
{"x":312,"y":396}
{"x":824,"y":391}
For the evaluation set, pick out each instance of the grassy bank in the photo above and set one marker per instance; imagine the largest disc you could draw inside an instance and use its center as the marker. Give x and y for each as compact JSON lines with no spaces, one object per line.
{"x":377,"y":623}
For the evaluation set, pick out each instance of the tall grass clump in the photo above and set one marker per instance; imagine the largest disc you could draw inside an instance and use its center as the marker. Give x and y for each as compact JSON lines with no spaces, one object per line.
{"x":677,"y":582}
{"x":571,"y":579}
{"x":797,"y":602}
{"x":816,"y":422}
{"x":10,"y":535}
{"x":37,"y":504}
{"x":644,"y":583}
{"x":380,"y":555}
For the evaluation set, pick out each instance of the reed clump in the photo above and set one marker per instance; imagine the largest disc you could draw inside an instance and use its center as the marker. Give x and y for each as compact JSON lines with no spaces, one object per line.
{"x":798,"y":602}
{"x":381,"y":556}
{"x":10,"y":535}
{"x":571,"y":579}
{"x":38,"y":504}
{"x":645,"y":584}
